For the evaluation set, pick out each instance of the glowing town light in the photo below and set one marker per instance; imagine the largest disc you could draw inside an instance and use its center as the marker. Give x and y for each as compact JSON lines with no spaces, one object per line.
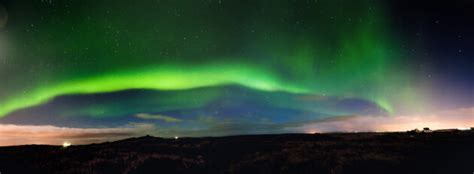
{"x":463,"y":128}
{"x":66,"y":144}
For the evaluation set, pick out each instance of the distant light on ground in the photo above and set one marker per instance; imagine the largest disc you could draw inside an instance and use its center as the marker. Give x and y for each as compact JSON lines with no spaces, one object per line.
{"x":176,"y":137}
{"x":66,"y":144}
{"x":312,"y":132}
{"x":463,"y":128}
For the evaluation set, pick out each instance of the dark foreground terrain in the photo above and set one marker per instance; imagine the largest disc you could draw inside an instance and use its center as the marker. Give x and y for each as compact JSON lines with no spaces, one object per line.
{"x":438,"y":152}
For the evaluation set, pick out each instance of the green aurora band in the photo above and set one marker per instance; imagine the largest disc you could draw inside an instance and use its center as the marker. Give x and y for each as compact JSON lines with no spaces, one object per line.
{"x":344,"y":51}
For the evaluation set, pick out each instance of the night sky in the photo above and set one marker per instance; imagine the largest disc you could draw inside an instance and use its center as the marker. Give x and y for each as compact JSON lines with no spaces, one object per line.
{"x":95,"y":70}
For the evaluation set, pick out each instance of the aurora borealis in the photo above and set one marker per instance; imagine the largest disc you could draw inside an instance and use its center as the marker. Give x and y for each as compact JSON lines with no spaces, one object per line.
{"x":223,"y":67}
